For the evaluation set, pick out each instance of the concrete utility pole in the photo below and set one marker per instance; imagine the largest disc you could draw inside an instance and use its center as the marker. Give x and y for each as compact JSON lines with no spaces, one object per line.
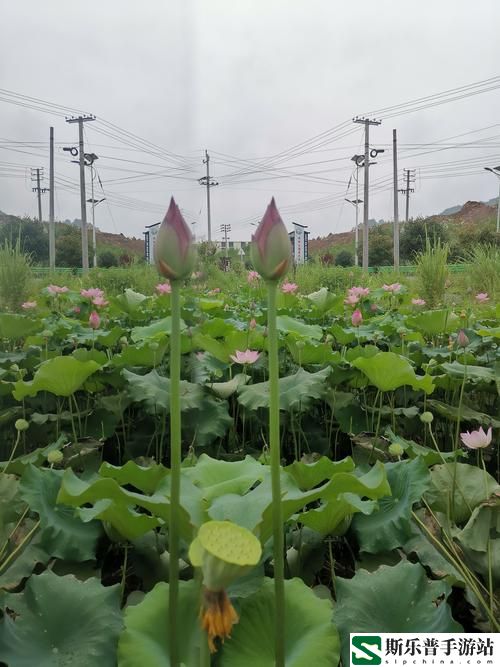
{"x":396,"y":203}
{"x":496,"y":171}
{"x":52,"y":230}
{"x":366,"y":122}
{"x":209,"y":183}
{"x":225,"y":229}
{"x":409,"y":175}
{"x":37,"y":176}
{"x":83,"y":202}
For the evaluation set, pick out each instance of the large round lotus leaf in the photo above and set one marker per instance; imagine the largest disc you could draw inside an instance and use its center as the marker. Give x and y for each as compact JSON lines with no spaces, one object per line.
{"x":61,"y":376}
{"x":390,"y":526}
{"x":61,"y":621}
{"x":63,"y":534}
{"x":230,"y":542}
{"x":392,"y":599}
{"x":310,"y":635}
{"x":388,"y":371}
{"x":145,"y":640}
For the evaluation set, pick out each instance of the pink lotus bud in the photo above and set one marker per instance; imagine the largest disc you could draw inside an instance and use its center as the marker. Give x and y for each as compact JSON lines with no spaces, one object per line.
{"x":271,"y":250}
{"x":94,"y":320}
{"x":252,"y":323}
{"x":356,"y":318}
{"x":174,"y":251}
{"x":462,"y":340}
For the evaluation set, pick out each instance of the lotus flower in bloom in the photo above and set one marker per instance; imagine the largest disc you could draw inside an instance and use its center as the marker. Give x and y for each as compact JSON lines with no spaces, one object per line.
{"x":271,"y":250}
{"x":252,"y":277}
{"x":94,"y":320}
{"x":418,"y":302}
{"x":289,"y":288}
{"x":28,"y":305}
{"x":395,"y":288}
{"x":100,"y":301}
{"x":351,"y":300}
{"x":246,"y":357}
{"x":482,"y":297}
{"x":477,"y":439}
{"x":92,"y":293}
{"x":54,"y":290}
{"x":174,"y":251}
{"x":359,"y":291}
{"x":163,"y":288}
{"x":356,"y":318}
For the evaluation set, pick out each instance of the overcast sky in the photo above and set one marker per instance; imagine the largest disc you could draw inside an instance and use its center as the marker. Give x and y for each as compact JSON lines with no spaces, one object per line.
{"x":247,"y":80}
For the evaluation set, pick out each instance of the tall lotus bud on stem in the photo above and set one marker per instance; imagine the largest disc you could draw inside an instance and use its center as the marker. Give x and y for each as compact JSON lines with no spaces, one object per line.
{"x":175,"y":254}
{"x":462,"y":339}
{"x":271,"y":250}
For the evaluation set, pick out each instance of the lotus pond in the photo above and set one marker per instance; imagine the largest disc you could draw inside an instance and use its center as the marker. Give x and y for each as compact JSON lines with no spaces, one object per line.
{"x":391,"y":517}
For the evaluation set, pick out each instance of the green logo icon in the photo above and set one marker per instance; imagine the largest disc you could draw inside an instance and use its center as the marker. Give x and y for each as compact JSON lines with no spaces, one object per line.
{"x":366,"y":650}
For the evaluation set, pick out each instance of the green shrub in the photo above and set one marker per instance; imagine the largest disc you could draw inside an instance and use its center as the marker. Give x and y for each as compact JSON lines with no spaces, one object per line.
{"x":432,"y":271}
{"x":344,"y":258}
{"x":15,"y":275}
{"x":484,"y":269}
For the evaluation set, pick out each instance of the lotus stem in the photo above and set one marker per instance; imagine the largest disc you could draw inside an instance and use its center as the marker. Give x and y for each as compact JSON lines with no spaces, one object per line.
{"x":175,"y":470}
{"x":274,"y":443}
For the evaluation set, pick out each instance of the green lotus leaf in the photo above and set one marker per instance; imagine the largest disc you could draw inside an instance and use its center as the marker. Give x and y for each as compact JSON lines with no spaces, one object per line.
{"x":480,"y":539}
{"x":37,"y":457}
{"x":465,"y":413}
{"x":392,"y":599}
{"x":154,"y":391}
{"x":388,"y":371}
{"x":390,"y":526}
{"x":309,"y":475}
{"x":323,"y":299}
{"x":311,"y":351}
{"x":287,"y":325}
{"x":155,"y":330}
{"x":61,"y":376}
{"x":459,"y":489}
{"x":218,"y":478}
{"x":145,"y":640}
{"x":227,"y":389}
{"x":310,"y":636}
{"x":145,"y":354}
{"x":209,"y":420}
{"x":61,"y":621}
{"x":130,"y":302}
{"x":15,"y":327}
{"x":64,"y":535}
{"x":470,"y":372}
{"x":434,"y":322}
{"x":31,"y":555}
{"x":297,"y":391}
{"x":145,"y":479}
{"x":208,"y":344}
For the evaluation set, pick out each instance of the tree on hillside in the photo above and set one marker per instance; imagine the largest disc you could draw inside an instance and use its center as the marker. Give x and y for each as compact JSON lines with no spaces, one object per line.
{"x":380,"y":251}
{"x":414,"y":233}
{"x":344,"y":258}
{"x":33,"y":237}
{"x":68,"y":246}
{"x":106,"y":259}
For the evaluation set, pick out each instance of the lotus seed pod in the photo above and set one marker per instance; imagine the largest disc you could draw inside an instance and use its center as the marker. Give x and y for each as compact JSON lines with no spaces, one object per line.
{"x":271,"y":250}
{"x":174,"y":251}
{"x":55,"y":456}
{"x":395,"y":449}
{"x":14,"y":368}
{"x":427,"y":417}
{"x":21,"y":425}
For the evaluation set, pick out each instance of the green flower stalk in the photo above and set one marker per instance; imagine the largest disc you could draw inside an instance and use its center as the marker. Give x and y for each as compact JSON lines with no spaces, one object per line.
{"x":175,"y":257}
{"x":271,"y":254}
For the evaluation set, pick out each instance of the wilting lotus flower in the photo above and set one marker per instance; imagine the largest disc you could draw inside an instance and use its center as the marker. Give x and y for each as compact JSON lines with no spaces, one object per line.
{"x":477,"y":439}
{"x":271,"y":250}
{"x":482,"y":297}
{"x":418,"y":302}
{"x":92,"y":293}
{"x":356,"y":318}
{"x":462,"y":340}
{"x":246,"y":357}
{"x":28,"y":305}
{"x":54,"y":290}
{"x":100,"y":301}
{"x":163,"y":288}
{"x":174,"y":251}
{"x":94,"y":320}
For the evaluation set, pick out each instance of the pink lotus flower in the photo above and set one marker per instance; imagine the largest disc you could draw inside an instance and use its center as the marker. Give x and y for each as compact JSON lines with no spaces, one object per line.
{"x":482,"y":297}
{"x":174,"y":251}
{"x":253,"y":323}
{"x":395,"y":288}
{"x":91,"y":293}
{"x":163,"y":288}
{"x":271,"y":250}
{"x":54,"y":290}
{"x":356,"y":318}
{"x":100,"y":301}
{"x":289,"y":288}
{"x":418,"y":302}
{"x":94,"y":320}
{"x":246,"y":357}
{"x":351,"y":300}
{"x":252,"y":277}
{"x":29,"y":305}
{"x":359,"y":291}
{"x":77,"y":310}
{"x":476,"y":439}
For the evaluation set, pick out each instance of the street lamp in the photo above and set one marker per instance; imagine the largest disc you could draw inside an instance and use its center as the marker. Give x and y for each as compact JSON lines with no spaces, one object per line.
{"x":496,"y":171}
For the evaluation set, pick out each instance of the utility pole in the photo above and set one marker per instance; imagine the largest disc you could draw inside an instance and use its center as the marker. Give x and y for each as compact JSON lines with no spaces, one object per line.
{"x":225,"y":229}
{"x":52,"y":230}
{"x":396,"y":203}
{"x":37,"y":176}
{"x":496,"y":171}
{"x":83,"y":202}
{"x":209,"y":183}
{"x":366,"y":122}
{"x":409,"y":176}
